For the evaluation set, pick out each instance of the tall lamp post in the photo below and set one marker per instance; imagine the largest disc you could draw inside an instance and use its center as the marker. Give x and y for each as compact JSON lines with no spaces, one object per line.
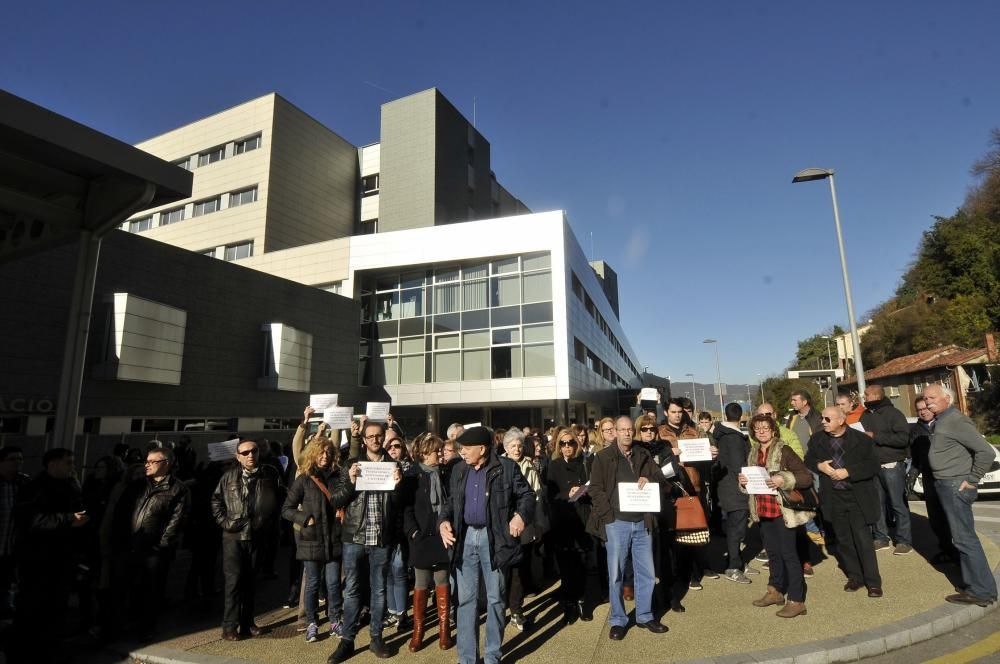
{"x":829,"y":355}
{"x":693,"y":391}
{"x":808,"y":175}
{"x":718,"y":375}
{"x":760,"y":383}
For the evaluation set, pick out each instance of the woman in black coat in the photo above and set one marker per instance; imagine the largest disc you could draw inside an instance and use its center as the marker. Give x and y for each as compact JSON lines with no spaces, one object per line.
{"x":425,"y":493}
{"x":575,"y":549}
{"x":317,"y":532}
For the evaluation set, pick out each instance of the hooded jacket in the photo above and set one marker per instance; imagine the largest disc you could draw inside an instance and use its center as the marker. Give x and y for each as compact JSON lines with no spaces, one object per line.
{"x":734,"y":446}
{"x":892,"y":431}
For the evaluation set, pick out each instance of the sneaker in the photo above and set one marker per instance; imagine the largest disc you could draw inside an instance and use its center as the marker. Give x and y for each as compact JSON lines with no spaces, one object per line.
{"x":312,"y":633}
{"x":336,"y":629}
{"x":391,"y":620}
{"x":301,"y":626}
{"x":881,"y":545}
{"x":766,"y":564}
{"x":518,"y":621}
{"x":902,"y":549}
{"x":709,"y":574}
{"x":695,"y":585}
{"x":761,"y":557}
{"x":736,"y":576}
{"x":807,"y":570}
{"x":816,"y":538}
{"x":751,"y":571}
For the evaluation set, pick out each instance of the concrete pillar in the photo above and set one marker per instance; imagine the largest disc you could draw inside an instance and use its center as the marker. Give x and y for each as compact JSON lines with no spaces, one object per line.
{"x":432,"y":420}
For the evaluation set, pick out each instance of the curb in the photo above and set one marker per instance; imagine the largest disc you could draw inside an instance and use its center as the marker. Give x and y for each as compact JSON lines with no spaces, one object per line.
{"x":869,"y":643}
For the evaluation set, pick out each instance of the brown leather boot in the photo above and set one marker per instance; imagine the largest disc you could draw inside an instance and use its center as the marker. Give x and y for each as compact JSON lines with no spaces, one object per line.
{"x":771,"y":598}
{"x":419,"y":609}
{"x":792,"y":609}
{"x":441,"y":595}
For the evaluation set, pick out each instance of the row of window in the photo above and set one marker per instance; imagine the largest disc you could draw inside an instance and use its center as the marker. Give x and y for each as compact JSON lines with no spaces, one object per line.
{"x":231,"y":252}
{"x":219,"y":152}
{"x":588,"y":357}
{"x":513,"y":361}
{"x":582,"y":295}
{"x":198,"y":208}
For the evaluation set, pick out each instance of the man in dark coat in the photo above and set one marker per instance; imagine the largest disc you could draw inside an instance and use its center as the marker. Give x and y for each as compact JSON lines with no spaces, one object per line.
{"x":889,"y":430}
{"x":488,"y":506}
{"x":847,"y":465}
{"x":733,"y":447}
{"x":245,"y":505}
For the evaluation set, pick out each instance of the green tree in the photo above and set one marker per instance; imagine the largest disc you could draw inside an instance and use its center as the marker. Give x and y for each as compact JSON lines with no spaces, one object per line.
{"x":817,"y":352}
{"x":778,"y":392}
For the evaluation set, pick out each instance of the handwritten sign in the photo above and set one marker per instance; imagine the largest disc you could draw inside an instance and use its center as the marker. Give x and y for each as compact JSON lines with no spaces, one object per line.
{"x":695,"y":449}
{"x":757,"y":477}
{"x":224,"y":451}
{"x":375,"y":476}
{"x":377,"y":411}
{"x":649,"y":394}
{"x":633,"y":499}
{"x":338,"y":417}
{"x":320,"y":402}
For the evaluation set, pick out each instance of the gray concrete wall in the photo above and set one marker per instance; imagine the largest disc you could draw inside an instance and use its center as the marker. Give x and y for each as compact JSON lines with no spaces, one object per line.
{"x":406,"y":179}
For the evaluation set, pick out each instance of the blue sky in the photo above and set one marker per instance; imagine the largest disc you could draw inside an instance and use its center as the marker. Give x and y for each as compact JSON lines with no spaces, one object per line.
{"x":669,"y":130}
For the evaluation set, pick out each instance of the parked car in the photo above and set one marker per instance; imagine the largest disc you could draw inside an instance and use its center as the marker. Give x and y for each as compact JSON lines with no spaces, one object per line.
{"x":990,"y":484}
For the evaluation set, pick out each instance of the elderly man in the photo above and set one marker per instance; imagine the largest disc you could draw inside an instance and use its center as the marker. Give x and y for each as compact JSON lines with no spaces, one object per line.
{"x":889,"y":430}
{"x":847,"y":465}
{"x":622,"y":531}
{"x":245,"y":505}
{"x":489,"y":505}
{"x":959,"y":457}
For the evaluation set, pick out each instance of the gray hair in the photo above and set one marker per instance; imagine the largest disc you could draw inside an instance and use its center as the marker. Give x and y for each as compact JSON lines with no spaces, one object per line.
{"x":453,"y":430}
{"x":513,"y":435}
{"x":945,"y":390}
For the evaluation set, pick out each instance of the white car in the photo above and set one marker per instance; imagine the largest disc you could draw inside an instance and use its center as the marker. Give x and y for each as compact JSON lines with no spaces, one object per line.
{"x":990,"y":483}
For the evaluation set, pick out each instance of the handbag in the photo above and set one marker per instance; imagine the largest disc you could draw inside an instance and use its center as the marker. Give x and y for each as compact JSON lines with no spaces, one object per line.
{"x":800,"y":499}
{"x":692,"y":524}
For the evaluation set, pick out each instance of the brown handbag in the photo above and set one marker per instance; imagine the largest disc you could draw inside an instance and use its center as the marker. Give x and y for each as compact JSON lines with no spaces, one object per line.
{"x":690,"y":514}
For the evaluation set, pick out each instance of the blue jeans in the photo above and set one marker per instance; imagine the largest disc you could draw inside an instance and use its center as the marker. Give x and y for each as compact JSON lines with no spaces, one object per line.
{"x":957,"y":506}
{"x":334,"y":604}
{"x":475,"y":560}
{"x":398,"y":588}
{"x":891,"y":483}
{"x":625,"y":537}
{"x":378,"y":567}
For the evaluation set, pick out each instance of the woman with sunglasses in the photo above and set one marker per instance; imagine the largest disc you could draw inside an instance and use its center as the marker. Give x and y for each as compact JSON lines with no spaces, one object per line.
{"x":423,"y":500}
{"x":787,"y":471}
{"x":317,"y":532}
{"x":575,"y":549}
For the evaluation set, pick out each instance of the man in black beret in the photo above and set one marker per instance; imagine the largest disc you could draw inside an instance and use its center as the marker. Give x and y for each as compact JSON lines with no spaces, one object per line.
{"x":489,"y":505}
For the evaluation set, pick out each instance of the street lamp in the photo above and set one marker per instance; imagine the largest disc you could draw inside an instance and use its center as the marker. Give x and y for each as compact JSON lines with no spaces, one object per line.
{"x":718,"y":376}
{"x":760,"y":383}
{"x":808,"y":175}
{"x":693,"y":391}
{"x":829,"y":356}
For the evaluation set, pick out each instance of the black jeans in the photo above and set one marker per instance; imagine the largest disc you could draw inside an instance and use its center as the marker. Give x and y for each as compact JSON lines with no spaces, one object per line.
{"x":238,"y":568}
{"x":854,"y":539}
{"x":579,"y":574}
{"x":736,"y":532}
{"x":784,"y":564}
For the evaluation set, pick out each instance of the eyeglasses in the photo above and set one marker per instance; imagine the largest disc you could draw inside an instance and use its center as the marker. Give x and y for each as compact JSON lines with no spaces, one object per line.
{"x":567,"y":443}
{"x":395,"y":447}
{"x":827,"y":419}
{"x":253,"y":452}
{"x":149,"y":462}
{"x":762,"y":430}
{"x":377,"y":436}
{"x":608,"y":430}
{"x":647,"y":429}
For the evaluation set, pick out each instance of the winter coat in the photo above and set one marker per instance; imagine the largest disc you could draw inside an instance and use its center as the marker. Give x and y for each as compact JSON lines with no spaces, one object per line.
{"x":355,"y":502}
{"x":420,"y":521}
{"x":733,"y":449}
{"x":319,"y":542}
{"x":230,"y":504}
{"x":861,"y":464}
{"x":892,"y":431}
{"x":44,"y":515}
{"x":151,"y":515}
{"x":569,"y":520}
{"x":603,"y":480}
{"x":781,"y":460}
{"x":507,"y":493}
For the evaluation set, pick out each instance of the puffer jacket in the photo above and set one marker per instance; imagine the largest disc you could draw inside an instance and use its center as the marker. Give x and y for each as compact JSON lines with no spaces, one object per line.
{"x":159,"y":510}
{"x":319,"y":542}
{"x":355,"y":502}
{"x":230,"y":503}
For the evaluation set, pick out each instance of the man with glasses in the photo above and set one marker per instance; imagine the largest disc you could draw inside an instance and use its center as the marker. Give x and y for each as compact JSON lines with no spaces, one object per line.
{"x":146,"y":529}
{"x":246,"y":505}
{"x":623,"y":532}
{"x":373,"y":522}
{"x":847,"y":465}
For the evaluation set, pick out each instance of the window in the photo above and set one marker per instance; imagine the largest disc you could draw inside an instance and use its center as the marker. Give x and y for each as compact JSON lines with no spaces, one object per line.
{"x":447,"y":367}
{"x":476,"y":364}
{"x":168,"y":217}
{"x":140,"y":224}
{"x":247,"y":144}
{"x":474,"y":295}
{"x":579,"y":350}
{"x":369,"y":185}
{"x":212,"y":156}
{"x":184,"y":163}
{"x":235,"y":252}
{"x":577,"y":288}
{"x":447,"y":298}
{"x":209,"y":252}
{"x":537,"y":287}
{"x":206,"y":207}
{"x":243,"y":197}
{"x":539,"y":360}
{"x":411,"y":368}
{"x":506,"y":362}
{"x":505,"y":291}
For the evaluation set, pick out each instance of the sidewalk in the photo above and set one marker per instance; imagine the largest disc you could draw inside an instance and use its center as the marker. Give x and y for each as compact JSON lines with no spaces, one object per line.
{"x":720,"y":624}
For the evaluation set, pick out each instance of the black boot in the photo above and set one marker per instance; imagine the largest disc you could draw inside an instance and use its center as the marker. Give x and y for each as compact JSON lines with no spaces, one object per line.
{"x":342,"y":653}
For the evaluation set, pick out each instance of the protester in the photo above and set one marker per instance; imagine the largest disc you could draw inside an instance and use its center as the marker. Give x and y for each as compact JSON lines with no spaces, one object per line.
{"x":733,"y":449}
{"x":889,"y":430}
{"x":489,"y":505}
{"x":920,"y":446}
{"x":519,"y":581}
{"x":852,"y":407}
{"x":397,"y":582}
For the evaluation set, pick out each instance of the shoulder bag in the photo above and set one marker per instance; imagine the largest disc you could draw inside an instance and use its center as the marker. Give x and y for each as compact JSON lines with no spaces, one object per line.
{"x":692,"y":525}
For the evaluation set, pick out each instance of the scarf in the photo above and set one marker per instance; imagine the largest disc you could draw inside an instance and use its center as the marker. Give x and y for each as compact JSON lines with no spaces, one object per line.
{"x":437,"y":497}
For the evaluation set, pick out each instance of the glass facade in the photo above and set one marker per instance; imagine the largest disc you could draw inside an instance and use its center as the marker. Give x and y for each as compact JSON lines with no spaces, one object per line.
{"x":471,"y":321}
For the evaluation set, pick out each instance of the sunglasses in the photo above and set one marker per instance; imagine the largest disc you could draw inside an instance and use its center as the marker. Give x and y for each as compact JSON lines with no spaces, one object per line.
{"x":827,"y":419}
{"x":567,"y":443}
{"x":252,"y":452}
{"x":647,"y":429}
{"x":395,"y":447}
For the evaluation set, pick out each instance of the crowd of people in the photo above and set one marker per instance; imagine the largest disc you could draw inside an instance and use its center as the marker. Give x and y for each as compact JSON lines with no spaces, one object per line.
{"x":387,"y":523}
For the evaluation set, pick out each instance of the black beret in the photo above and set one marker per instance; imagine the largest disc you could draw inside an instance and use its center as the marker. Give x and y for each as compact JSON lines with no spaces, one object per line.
{"x":476,"y":436}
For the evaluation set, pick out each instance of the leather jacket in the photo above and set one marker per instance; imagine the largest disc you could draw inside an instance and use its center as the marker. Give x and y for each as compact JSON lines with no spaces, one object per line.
{"x":159,"y":510}
{"x":244,"y":509}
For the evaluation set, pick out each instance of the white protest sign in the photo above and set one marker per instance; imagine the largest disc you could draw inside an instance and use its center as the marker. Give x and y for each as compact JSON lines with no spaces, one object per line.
{"x":320,"y":402}
{"x":695,"y":449}
{"x":857,"y":426}
{"x":375,"y":476}
{"x":757,"y":477}
{"x":377,"y":411}
{"x":633,"y":499}
{"x":223,"y":451}
{"x":338,"y":417}
{"x":648,"y":394}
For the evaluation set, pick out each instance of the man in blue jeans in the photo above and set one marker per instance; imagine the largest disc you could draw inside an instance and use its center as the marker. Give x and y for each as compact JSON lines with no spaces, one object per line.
{"x":890,"y":432}
{"x":622,"y":531}
{"x":372,"y":524}
{"x":959,"y":456}
{"x":489,"y":505}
